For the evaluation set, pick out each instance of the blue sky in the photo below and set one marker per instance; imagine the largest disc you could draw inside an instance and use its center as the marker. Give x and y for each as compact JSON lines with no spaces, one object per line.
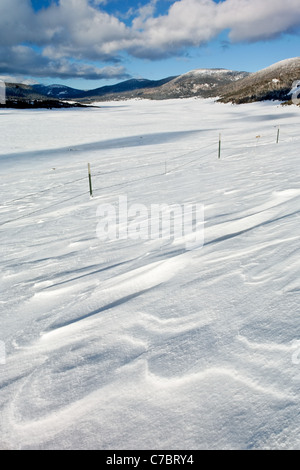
{"x":90,"y":43}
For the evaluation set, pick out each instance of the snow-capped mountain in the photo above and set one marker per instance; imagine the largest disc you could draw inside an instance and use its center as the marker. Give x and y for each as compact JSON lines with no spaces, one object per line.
{"x":200,"y":82}
{"x":272,"y":83}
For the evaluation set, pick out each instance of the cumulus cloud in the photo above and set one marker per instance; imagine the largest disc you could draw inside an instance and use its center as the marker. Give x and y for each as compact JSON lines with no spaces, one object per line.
{"x":195,"y":22}
{"x":23,"y":60}
{"x":53,"y":39}
{"x":68,"y":33}
{"x":188,"y":23}
{"x":254,"y":20}
{"x":16,"y":22}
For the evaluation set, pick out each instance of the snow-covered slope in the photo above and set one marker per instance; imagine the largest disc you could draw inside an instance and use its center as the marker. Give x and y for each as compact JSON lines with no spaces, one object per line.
{"x":57,"y":91}
{"x":199,"y":82}
{"x":207,"y":72}
{"x":145,"y":344}
{"x":273,"y":82}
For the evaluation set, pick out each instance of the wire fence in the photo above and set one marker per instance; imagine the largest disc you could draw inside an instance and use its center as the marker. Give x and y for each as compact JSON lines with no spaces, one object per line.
{"x":227,"y":149}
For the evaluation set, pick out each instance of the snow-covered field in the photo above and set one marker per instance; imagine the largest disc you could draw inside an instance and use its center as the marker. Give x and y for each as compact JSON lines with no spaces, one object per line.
{"x":145,"y":344}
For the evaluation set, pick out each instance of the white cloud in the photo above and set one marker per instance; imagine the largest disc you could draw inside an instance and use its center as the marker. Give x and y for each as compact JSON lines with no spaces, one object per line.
{"x":188,"y":23}
{"x":18,"y":79}
{"x":81,"y":30}
{"x":143,"y":13}
{"x":16,"y":21}
{"x":194,"y":22}
{"x":255,"y":20}
{"x":23,"y":60}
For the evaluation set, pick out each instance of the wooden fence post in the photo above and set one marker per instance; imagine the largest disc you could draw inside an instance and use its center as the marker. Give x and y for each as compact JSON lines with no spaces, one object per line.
{"x":90,"y":180}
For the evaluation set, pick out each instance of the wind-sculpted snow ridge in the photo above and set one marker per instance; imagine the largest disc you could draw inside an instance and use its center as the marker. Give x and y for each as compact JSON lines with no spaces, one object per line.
{"x":146,"y":343}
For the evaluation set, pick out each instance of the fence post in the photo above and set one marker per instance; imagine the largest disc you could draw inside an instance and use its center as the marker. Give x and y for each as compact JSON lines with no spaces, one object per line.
{"x":219,"y":153}
{"x":90,"y":180}
{"x":278,"y":130}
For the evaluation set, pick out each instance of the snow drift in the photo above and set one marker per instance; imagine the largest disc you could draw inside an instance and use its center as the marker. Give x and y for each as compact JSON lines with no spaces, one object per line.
{"x":142,"y":344}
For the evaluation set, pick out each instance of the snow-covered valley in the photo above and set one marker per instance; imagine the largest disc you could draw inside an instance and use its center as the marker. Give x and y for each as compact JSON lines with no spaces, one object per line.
{"x":143,"y":343}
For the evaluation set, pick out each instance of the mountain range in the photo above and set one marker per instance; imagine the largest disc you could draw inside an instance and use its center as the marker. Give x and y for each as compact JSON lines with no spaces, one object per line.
{"x":272,"y":83}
